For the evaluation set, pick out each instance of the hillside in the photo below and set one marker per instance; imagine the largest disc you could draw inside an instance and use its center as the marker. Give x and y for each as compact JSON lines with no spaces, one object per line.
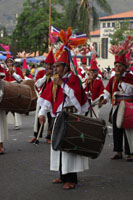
{"x":8,"y":11}
{"x":9,"y":8}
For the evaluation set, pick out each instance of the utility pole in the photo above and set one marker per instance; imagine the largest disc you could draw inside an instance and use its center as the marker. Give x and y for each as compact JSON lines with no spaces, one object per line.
{"x":49,"y":22}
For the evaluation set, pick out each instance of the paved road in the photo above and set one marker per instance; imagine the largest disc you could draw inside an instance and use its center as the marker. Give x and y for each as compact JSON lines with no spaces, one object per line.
{"x":25,"y":174}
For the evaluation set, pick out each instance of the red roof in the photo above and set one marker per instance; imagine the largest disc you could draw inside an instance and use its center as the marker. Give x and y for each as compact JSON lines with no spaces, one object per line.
{"x":119,"y":16}
{"x":95,"y":33}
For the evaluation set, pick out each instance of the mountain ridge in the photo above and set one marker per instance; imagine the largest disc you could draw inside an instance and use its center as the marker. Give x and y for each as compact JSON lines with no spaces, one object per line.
{"x":9,"y":9}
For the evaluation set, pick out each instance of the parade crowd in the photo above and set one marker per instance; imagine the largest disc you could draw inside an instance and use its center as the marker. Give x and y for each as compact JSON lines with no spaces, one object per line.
{"x":64,"y":84}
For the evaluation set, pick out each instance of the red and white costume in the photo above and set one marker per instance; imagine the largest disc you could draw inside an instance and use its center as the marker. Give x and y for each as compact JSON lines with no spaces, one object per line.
{"x":112,"y":73}
{"x":17,"y":76}
{"x":41,"y":83}
{"x":74,"y":95}
{"x":118,"y":91}
{"x":94,"y":91}
{"x":82,"y":74}
{"x":40,"y":79}
{"x":24,"y":70}
{"x":73,"y":92}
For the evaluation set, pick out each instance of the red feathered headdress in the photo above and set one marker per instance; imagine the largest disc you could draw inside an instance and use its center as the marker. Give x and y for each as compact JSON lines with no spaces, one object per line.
{"x":65,"y":38}
{"x":122,"y":52}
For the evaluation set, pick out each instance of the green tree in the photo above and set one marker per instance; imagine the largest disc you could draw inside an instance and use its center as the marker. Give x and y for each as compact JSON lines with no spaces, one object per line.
{"x":80,"y":12}
{"x":122,"y":30}
{"x":31,"y":33}
{"x":4,"y":37}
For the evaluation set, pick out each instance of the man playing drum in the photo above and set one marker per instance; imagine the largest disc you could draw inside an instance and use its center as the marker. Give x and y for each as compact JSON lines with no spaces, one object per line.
{"x":120,"y":88}
{"x":13,"y":74}
{"x":43,"y":79}
{"x":64,"y":91}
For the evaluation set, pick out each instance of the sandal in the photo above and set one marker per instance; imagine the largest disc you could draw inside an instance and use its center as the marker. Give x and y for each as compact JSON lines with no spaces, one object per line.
{"x":2,"y":151}
{"x":116,"y":157}
{"x":129,"y":158}
{"x":57,"y":180}
{"x":69,"y":186}
{"x":48,"y":141}
{"x":33,"y":140}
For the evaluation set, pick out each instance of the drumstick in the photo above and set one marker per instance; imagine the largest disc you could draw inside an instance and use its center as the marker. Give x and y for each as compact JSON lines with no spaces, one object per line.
{"x":37,"y":139}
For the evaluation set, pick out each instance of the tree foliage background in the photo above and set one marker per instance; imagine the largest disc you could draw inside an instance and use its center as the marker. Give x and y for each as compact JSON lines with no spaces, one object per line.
{"x":31,"y":32}
{"x":122,"y":31}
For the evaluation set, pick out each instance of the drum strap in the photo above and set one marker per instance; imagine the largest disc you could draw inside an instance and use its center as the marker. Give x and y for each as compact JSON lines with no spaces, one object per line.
{"x":114,"y":81}
{"x":91,"y":109}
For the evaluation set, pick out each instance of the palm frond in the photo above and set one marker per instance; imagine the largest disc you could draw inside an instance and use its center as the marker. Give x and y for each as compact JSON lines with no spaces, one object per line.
{"x":104,"y":5}
{"x":94,"y":17}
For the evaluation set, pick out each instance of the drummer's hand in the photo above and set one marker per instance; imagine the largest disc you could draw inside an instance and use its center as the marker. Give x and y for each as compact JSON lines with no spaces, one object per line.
{"x":103,"y":101}
{"x":58,"y":81}
{"x":42,"y":119}
{"x":49,"y":72}
{"x":11,"y":70}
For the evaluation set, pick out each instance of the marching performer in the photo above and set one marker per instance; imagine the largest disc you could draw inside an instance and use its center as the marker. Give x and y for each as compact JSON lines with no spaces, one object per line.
{"x":83,"y":68}
{"x":26,"y":71}
{"x":3,"y":121}
{"x":120,"y":88}
{"x":43,"y":79}
{"x":64,"y":91}
{"x":13,"y":74}
{"x":94,"y":89}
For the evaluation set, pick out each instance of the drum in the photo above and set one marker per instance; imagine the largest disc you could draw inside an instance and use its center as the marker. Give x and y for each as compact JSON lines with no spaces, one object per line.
{"x":31,"y":84}
{"x":125,"y":115}
{"x":16,"y":97}
{"x":79,"y":134}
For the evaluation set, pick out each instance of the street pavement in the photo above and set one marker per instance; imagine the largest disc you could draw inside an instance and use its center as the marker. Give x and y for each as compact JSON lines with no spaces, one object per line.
{"x":25,"y":174}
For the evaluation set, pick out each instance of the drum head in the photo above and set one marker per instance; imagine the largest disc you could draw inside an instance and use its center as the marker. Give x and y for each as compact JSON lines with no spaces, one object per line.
{"x":59,"y":131}
{"x":1,"y":91}
{"x":120,"y":114}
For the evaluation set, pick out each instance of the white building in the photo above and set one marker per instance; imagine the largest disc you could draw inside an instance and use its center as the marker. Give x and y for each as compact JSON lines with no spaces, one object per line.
{"x":101,"y":37}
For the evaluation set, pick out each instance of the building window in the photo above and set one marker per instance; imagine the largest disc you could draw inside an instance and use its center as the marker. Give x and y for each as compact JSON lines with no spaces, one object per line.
{"x":104,"y":25}
{"x":95,"y":46}
{"x":121,"y":24}
{"x":113,"y":24}
{"x":108,"y":25}
{"x":131,"y":25}
{"x":105,"y":48}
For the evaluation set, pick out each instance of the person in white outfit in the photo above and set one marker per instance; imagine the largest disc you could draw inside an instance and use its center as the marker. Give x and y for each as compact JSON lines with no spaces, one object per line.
{"x":64,"y":84}
{"x":13,"y":74}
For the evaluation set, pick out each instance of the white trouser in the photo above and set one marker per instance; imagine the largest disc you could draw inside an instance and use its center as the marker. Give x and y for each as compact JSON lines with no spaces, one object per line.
{"x":129,"y":134}
{"x":36,"y":118}
{"x":14,"y":119}
{"x":3,"y":126}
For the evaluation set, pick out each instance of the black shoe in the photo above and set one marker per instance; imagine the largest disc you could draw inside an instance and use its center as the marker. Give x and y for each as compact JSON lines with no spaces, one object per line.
{"x":48,"y":137}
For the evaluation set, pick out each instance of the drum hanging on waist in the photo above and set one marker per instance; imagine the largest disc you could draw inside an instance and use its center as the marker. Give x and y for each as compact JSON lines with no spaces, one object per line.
{"x":15,"y":97}
{"x":79,"y":134}
{"x":125,"y":115}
